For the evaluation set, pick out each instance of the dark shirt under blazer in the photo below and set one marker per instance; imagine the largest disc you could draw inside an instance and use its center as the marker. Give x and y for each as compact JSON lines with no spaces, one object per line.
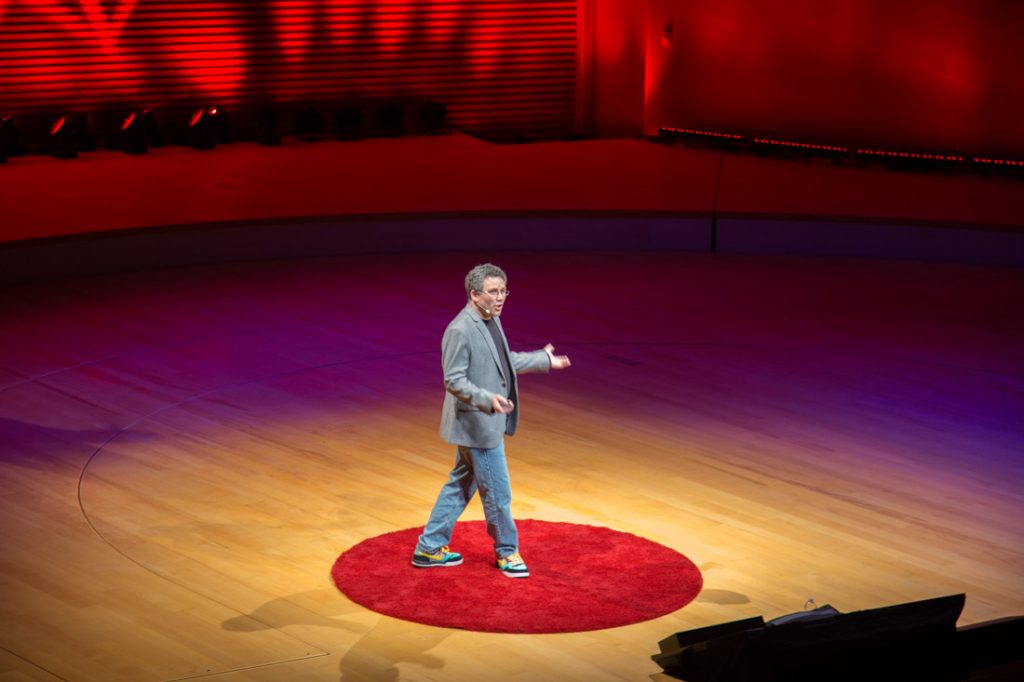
{"x":473,"y":376}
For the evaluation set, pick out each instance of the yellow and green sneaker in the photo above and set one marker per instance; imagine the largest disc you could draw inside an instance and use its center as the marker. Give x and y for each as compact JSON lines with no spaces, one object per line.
{"x":513,"y":566}
{"x":442,"y":557}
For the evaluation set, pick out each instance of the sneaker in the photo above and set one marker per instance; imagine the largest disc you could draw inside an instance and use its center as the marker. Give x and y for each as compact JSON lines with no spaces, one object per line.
{"x":442,"y":557}
{"x":513,"y":566}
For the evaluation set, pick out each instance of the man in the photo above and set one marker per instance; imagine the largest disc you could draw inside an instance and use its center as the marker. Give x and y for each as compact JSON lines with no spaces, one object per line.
{"x":480,"y":408}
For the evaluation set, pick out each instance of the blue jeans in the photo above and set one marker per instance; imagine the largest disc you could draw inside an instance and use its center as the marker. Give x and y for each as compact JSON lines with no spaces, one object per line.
{"x":486,"y":470}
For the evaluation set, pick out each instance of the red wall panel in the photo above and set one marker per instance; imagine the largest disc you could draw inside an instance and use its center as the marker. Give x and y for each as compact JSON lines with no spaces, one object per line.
{"x":615,"y":51}
{"x":497,"y":65}
{"x":927,"y":74}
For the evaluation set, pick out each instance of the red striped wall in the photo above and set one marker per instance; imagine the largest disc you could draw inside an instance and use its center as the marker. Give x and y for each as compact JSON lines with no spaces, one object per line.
{"x":499,"y":66}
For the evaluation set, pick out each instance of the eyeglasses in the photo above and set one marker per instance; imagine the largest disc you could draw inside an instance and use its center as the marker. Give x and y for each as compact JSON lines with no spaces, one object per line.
{"x":498,"y":293}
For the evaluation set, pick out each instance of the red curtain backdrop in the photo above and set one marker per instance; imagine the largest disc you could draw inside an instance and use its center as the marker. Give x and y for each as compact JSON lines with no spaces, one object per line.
{"x":929,"y":74}
{"x":497,"y":65}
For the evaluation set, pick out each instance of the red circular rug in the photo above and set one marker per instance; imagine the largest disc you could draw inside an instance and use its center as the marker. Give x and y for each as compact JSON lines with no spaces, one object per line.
{"x":581,"y":578}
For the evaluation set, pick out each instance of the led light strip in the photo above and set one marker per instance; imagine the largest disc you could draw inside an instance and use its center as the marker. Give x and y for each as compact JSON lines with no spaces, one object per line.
{"x":888,"y":154}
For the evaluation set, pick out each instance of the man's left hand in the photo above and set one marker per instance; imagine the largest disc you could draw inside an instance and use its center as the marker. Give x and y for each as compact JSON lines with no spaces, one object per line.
{"x":557,"y":361}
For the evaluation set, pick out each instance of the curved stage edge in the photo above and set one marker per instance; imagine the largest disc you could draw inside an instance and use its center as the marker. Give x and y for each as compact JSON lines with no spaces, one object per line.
{"x":142,"y":249}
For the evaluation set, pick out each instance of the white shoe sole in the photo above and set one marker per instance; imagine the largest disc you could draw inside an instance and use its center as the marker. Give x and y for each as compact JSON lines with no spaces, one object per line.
{"x":446,"y":565}
{"x":516,"y":574}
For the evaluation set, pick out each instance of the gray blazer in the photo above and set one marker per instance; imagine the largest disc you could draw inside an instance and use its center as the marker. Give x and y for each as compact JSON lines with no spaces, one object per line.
{"x":473,"y":375}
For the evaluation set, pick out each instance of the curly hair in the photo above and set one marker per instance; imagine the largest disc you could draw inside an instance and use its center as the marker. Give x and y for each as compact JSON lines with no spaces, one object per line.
{"x":475,"y":278}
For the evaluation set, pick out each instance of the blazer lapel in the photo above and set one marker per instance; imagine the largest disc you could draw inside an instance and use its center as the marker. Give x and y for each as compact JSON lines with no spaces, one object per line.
{"x":481,"y":327}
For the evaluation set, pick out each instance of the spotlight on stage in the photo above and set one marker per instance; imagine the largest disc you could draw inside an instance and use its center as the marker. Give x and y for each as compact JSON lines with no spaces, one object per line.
{"x":4,"y":151}
{"x":221,"y":125}
{"x":266,"y":128}
{"x":140,"y":131}
{"x":10,"y":139}
{"x":81,"y":133}
{"x":432,"y":117}
{"x":389,"y":118}
{"x":202,"y":128}
{"x":81,"y":125}
{"x":60,"y":141}
{"x":348,"y":123}
{"x":133,"y":140}
{"x":913,"y":641}
{"x":151,"y":127}
{"x":309,"y":123}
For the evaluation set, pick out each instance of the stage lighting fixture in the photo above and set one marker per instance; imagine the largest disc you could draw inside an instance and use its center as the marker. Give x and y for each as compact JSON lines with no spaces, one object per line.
{"x":81,"y":132}
{"x":266,"y":127}
{"x":134,"y":139}
{"x":202,"y":133}
{"x":389,"y":119}
{"x":348,"y":123}
{"x":10,"y":138}
{"x":60,"y":142}
{"x":221,"y":124}
{"x":432,"y":117}
{"x":309,"y":123}
{"x":151,"y":128}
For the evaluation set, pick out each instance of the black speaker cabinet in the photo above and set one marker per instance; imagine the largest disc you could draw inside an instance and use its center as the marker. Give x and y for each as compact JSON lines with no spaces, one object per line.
{"x":906,"y":642}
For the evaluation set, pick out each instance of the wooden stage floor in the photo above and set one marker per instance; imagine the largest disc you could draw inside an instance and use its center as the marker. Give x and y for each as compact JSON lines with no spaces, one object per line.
{"x":186,"y":452}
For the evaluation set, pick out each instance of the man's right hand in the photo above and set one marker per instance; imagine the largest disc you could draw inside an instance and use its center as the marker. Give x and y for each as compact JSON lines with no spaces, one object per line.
{"x":502,"y":405}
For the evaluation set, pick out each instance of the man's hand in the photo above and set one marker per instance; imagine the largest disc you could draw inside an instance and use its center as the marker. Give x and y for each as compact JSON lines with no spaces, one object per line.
{"x":557,"y":361}
{"x":502,"y":405}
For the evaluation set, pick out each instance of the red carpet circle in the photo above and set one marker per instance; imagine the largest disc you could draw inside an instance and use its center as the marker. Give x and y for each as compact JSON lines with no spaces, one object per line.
{"x":581,"y":578}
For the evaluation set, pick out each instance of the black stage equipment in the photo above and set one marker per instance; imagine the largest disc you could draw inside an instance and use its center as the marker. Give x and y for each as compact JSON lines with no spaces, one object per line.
{"x":266,"y":128}
{"x":348,"y":123}
{"x":309,"y":123}
{"x":432,"y":117}
{"x":60,"y":142}
{"x":913,"y":641}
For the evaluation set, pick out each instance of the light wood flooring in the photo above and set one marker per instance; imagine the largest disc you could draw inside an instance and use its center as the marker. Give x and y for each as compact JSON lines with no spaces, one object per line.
{"x":185,"y":452}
